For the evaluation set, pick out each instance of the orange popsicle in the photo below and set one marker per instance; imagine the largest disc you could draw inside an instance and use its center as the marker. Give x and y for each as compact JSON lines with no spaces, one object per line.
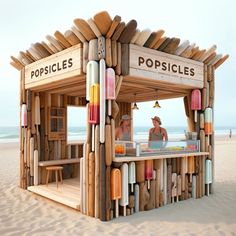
{"x":116,"y":188}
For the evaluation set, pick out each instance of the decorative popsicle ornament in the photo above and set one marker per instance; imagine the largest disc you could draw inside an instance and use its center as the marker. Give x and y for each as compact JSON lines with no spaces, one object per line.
{"x":208,"y":175}
{"x":116,"y":188}
{"x":208,"y":122}
{"x":196,"y":102}
{"x":94,"y":104}
{"x":136,"y":197}
{"x":149,"y":171}
{"x":110,"y":87}
{"x":132,"y":175}
{"x":102,"y":78}
{"x":91,"y":77}
{"x":124,"y":201}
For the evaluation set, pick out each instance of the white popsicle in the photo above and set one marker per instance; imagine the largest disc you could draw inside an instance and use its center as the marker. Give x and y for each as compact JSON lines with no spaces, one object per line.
{"x":102,"y":78}
{"x":132,"y":175}
{"x":208,"y":176}
{"x":124,"y":201}
{"x":31,"y":156}
{"x":136,"y":197}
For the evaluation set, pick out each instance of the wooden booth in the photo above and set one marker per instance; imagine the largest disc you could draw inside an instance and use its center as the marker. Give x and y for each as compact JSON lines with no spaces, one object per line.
{"x":105,"y":65}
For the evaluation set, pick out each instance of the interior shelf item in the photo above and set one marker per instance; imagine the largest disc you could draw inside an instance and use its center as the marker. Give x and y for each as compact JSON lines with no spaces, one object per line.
{"x":56,"y":121}
{"x":123,"y":148}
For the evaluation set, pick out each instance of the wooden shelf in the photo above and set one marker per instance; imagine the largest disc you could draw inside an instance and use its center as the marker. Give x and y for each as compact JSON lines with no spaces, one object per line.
{"x":143,"y":158}
{"x":59,"y":162}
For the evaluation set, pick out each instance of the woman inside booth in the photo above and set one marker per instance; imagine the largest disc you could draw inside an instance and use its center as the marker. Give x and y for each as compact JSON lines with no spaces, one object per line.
{"x":123,"y":132}
{"x":157,"y":133}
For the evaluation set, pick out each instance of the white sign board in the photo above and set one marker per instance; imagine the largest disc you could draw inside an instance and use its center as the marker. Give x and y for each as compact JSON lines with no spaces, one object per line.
{"x":164,"y":67}
{"x":59,"y":66}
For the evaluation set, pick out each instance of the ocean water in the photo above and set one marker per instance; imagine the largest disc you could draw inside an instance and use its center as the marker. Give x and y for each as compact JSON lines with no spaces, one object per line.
{"x":11,"y":134}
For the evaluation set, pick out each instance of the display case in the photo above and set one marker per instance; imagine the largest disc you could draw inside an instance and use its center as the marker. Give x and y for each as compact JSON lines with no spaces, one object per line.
{"x":123,"y":148}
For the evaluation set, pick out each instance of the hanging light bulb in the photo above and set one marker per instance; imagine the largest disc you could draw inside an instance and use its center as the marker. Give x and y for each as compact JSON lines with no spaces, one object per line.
{"x":135,"y":106}
{"x":156,"y":105}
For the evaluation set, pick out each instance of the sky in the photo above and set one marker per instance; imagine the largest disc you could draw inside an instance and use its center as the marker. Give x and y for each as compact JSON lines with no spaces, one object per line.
{"x":205,"y":22}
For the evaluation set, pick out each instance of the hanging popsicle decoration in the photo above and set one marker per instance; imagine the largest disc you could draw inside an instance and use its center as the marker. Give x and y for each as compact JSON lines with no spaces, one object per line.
{"x":196,"y":102}
{"x":110,"y":87}
{"x":116,"y":188}
{"x":124,"y":201}
{"x":208,"y":122}
{"x":149,"y":171}
{"x":132,"y":175}
{"x":91,"y":77}
{"x":102,"y":77}
{"x":94,"y":104}
{"x":208,"y":174}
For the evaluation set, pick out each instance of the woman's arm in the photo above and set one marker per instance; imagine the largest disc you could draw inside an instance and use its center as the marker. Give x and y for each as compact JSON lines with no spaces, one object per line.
{"x":117,"y":133}
{"x":165,"y":134}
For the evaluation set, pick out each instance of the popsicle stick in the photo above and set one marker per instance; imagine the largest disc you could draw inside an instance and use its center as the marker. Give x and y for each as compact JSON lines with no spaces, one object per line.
{"x":108,"y":193}
{"x":114,"y":53}
{"x":195,"y":50}
{"x":115,"y":22}
{"x":174,"y":187}
{"x":158,"y":36}
{"x":97,"y":175}
{"x":71,"y":37}
{"x":59,"y":47}
{"x":172,"y":46}
{"x":85,"y":199}
{"x":78,"y":34}
{"x":169,"y":183}
{"x":165,"y":181}
{"x":118,"y":31}
{"x":102,"y":78}
{"x":102,"y":171}
{"x":151,"y":203}
{"x":198,"y":55}
{"x":164,"y":44}
{"x":118,"y":66}
{"x":103,"y":21}
{"x":93,"y":50}
{"x":159,"y":42}
{"x":194,"y":184}
{"x":81,"y":184}
{"x":108,"y":145}
{"x":85,"y":55}
{"x":178,"y":187}
{"x":212,"y":57}
{"x":101,"y":47}
{"x":143,"y":37}
{"x":108,"y":53}
{"x":39,"y":47}
{"x":188,"y":51}
{"x":91,"y":184}
{"x":84,"y":28}
{"x":136,"y":198}
{"x":140,"y":171}
{"x":128,"y":32}
{"x":181,"y":47}
{"x":36,"y":161}
{"x":124,"y":201}
{"x":94,"y":27}
{"x":136,"y":35}
{"x":191,"y":166}
{"x":46,"y":46}
{"x":207,"y":53}
{"x":61,"y":38}
{"x":221,"y":61}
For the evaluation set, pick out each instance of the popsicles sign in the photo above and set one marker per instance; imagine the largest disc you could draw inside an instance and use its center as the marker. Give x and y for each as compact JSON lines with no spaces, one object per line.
{"x":63,"y":65}
{"x":163,"y":67}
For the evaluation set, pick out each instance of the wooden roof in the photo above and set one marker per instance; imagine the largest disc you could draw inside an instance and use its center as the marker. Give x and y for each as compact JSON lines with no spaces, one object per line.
{"x":116,"y":29}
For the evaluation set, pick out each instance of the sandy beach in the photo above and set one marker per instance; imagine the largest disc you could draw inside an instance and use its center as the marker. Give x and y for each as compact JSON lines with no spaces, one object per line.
{"x":24,"y":213}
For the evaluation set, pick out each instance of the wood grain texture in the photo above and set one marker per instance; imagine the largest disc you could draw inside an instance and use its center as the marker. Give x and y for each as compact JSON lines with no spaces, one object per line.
{"x":84,"y":28}
{"x":115,"y":22}
{"x":91,"y":184}
{"x":108,"y":53}
{"x":118,"y":31}
{"x":61,"y":38}
{"x":103,"y":21}
{"x":128,"y":32}
{"x":71,"y":37}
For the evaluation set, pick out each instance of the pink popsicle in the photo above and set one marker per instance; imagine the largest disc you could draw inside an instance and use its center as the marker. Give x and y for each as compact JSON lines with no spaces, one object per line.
{"x":23,"y":115}
{"x":148,"y":171}
{"x":110,"y":87}
{"x":196,"y":102}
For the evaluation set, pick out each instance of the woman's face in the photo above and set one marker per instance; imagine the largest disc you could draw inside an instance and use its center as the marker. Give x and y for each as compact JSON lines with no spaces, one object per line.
{"x":155,"y":123}
{"x":126,"y":122}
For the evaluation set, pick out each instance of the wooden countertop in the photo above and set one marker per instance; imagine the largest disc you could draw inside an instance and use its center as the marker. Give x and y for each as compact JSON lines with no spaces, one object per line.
{"x":142,"y":158}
